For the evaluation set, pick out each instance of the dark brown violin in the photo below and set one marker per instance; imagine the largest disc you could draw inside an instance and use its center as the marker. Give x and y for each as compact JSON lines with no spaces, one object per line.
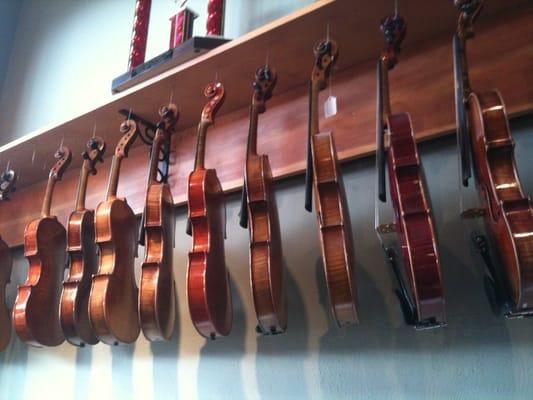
{"x":259,"y":208}
{"x":36,"y":311}
{"x":7,"y":185}
{"x":324,"y":176}
{"x":113,"y":302}
{"x":422,"y":297}
{"x":484,"y":137}
{"x":74,"y":308}
{"x":208,"y":288}
{"x":157,"y":295}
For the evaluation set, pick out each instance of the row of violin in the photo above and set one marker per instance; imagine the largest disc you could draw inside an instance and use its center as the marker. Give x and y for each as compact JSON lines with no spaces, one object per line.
{"x":100,"y":301}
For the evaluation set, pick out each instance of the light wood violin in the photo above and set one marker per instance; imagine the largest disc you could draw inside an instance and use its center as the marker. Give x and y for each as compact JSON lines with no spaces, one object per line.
{"x":113,"y":301}
{"x":7,"y":185}
{"x":208,"y":288}
{"x":422,"y":298}
{"x":486,"y":141}
{"x":36,"y":311}
{"x":81,"y":247}
{"x":259,"y":212}
{"x":323,"y":177}
{"x":157,"y":292}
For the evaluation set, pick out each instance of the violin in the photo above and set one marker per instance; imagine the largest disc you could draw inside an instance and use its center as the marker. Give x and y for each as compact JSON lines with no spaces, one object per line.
{"x":208,"y":288}
{"x":81,"y":248}
{"x":36,"y":310}
{"x":157,"y":299}
{"x":259,"y":213}
{"x":113,"y":300}
{"x":422,"y":297}
{"x":323,"y":177}
{"x":7,"y":185}
{"x":486,"y":145}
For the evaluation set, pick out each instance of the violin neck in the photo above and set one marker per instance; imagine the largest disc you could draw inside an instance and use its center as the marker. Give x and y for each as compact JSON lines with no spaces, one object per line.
{"x":461,"y":60}
{"x":314,"y":91}
{"x":384,"y":97}
{"x":154,"y":157}
{"x":252,"y":131}
{"x":82,"y":187}
{"x":200,"y":144}
{"x":47,"y":203}
{"x":113,"y":177}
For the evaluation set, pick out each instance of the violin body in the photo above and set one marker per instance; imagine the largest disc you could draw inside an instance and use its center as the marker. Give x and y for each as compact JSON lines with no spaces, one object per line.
{"x":413,"y":221}
{"x":36,"y":311}
{"x":265,"y":246}
{"x":508,"y":211}
{"x":81,"y":247}
{"x":6,"y":265}
{"x":334,"y":228}
{"x":208,"y":288}
{"x":157,"y":302}
{"x":113,"y":304}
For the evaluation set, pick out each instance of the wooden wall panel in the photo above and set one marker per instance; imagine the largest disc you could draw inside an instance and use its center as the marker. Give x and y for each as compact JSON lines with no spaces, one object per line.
{"x":501,"y":56}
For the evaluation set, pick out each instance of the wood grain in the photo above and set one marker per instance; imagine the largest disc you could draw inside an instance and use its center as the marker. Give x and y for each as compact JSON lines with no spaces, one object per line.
{"x":500,"y":57}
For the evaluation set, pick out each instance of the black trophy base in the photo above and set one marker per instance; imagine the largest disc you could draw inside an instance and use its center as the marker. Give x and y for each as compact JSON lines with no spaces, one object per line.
{"x":188,"y":50}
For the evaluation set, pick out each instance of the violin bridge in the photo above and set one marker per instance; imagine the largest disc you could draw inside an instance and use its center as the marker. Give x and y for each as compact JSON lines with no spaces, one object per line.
{"x":386,"y":228}
{"x":473,"y":213}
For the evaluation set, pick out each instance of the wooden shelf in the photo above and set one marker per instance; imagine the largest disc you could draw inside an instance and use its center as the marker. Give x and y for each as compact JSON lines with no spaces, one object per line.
{"x":421,"y":84}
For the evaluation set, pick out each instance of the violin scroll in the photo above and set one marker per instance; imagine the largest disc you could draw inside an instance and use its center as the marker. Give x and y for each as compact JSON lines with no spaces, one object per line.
{"x":63,"y":155}
{"x":265,"y":80}
{"x":129,"y":132}
{"x":215,"y":93}
{"x":326,"y":53}
{"x":169,"y":116}
{"x":8,"y":179}
{"x":94,"y":153}
{"x":469,"y":11}
{"x":394,"y":29}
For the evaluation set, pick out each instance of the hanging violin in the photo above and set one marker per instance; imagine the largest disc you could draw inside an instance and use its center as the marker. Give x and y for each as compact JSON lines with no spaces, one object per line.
{"x":157,"y":293}
{"x":421,"y":298}
{"x":323,"y":177}
{"x":259,"y":211}
{"x":7,"y":185}
{"x":81,"y":247}
{"x":36,"y":311}
{"x":208,"y":289}
{"x":113,"y":301}
{"x":485,"y":141}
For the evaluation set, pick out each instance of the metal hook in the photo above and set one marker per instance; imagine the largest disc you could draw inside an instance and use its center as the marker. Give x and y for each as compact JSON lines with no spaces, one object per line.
{"x":94,"y":130}
{"x":267,"y":58}
{"x":327,"y":32}
{"x":216,"y":77}
{"x":33,"y":157}
{"x":129,"y":113}
{"x":395,"y":8}
{"x":8,"y":165}
{"x":61,"y":145}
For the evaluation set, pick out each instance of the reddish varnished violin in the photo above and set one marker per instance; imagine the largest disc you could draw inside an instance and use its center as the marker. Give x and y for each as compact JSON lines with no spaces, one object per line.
{"x":7,"y":185}
{"x":74,"y":305}
{"x":485,"y":138}
{"x":422,"y":298}
{"x":208,"y":289}
{"x":324,"y":178}
{"x":157,"y":295}
{"x":113,"y":301}
{"x":36,"y":311}
{"x":259,"y":208}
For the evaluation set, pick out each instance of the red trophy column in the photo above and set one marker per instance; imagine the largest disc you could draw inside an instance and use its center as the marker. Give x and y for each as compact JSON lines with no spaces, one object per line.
{"x":215,"y":17}
{"x":140,"y":33}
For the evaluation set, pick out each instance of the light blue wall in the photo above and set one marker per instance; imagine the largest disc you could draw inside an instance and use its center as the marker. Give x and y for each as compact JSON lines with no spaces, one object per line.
{"x":478,"y":356}
{"x":9,"y":13}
